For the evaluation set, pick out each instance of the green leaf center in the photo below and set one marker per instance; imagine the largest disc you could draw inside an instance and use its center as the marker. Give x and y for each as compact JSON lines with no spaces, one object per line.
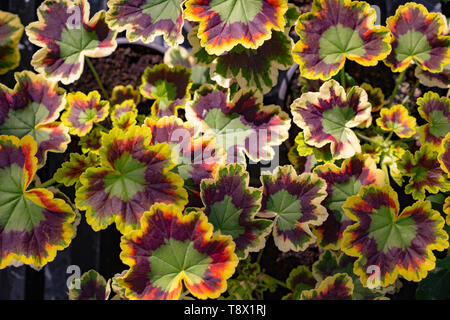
{"x":224,"y":216}
{"x":165,"y":91}
{"x":339,"y":194}
{"x":339,"y":42}
{"x":413,"y":44}
{"x":440,"y":125}
{"x":176,"y":257}
{"x":420,"y":173}
{"x":162,"y":10}
{"x":390,"y":232}
{"x":334,"y":121}
{"x":17,"y":212}
{"x":87,"y":116}
{"x":287,"y":207}
{"x":74,"y":41}
{"x":22,"y":122}
{"x":229,"y":129}
{"x":128,"y":179}
{"x":232,"y":11}
{"x":395,"y":125}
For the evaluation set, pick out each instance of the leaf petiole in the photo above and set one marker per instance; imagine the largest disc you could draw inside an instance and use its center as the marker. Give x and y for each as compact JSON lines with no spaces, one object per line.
{"x":260,"y":254}
{"x":47,"y":183}
{"x":397,"y":85}
{"x":363,"y":137}
{"x":278,"y":282}
{"x":97,"y":78}
{"x":386,"y":173}
{"x":103,"y":128}
{"x":388,"y":139}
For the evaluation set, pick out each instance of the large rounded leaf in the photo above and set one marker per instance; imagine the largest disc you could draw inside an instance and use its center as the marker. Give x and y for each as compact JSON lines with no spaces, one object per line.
{"x":31,"y":108}
{"x":231,"y":206}
{"x":295,"y":202}
{"x":66,"y":36}
{"x":171,"y":248}
{"x":225,"y":24}
{"x":242,"y":125}
{"x":418,"y":36}
{"x":146,"y":19}
{"x":395,"y":243}
{"x":337,"y":30}
{"x":33,"y":224}
{"x":328,"y":116}
{"x":133,"y":175}
{"x":343,"y":182}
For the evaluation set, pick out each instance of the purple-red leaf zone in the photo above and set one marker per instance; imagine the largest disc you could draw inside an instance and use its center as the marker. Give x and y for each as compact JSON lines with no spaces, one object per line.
{"x":66,"y":36}
{"x":209,"y":260}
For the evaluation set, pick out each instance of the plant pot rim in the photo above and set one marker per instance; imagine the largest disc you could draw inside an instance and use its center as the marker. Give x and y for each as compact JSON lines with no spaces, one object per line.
{"x":122,"y":41}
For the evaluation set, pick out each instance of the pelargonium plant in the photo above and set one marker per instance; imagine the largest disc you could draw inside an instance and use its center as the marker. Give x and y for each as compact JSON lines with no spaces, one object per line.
{"x":209,"y":180}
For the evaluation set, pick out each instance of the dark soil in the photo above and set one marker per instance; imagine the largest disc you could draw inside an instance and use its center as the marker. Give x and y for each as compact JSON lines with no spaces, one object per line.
{"x":125,"y":66}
